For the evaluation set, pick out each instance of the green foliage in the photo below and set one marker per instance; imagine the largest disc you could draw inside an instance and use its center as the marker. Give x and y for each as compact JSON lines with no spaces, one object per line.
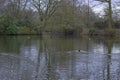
{"x":12,"y":29}
{"x":101,"y":25}
{"x":24,"y":22}
{"x":26,"y":30}
{"x":107,"y":32}
{"x":92,"y":31}
{"x":7,"y":25}
{"x":66,"y":20}
{"x":116,"y":24}
{"x":65,"y":16}
{"x":2,"y":24}
{"x":110,"y":32}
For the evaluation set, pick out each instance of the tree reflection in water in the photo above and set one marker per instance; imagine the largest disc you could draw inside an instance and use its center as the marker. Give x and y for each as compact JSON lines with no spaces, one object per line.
{"x":59,"y":59}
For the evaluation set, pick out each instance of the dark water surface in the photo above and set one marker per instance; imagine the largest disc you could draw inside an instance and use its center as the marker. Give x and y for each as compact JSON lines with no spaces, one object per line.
{"x":59,"y":58}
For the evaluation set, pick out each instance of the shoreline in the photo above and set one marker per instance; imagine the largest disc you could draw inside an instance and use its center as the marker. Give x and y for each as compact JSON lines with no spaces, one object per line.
{"x":96,"y":33}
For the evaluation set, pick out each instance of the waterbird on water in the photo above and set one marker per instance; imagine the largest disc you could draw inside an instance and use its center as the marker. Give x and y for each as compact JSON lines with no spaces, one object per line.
{"x":82,"y":51}
{"x":79,"y":50}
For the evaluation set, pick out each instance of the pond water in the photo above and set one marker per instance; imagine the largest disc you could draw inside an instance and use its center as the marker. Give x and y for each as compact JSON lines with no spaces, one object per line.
{"x":59,"y":58}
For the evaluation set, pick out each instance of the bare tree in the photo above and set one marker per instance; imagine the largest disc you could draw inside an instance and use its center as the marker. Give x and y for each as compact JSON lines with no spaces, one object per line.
{"x":18,"y":6}
{"x":109,"y":10}
{"x":45,"y":9}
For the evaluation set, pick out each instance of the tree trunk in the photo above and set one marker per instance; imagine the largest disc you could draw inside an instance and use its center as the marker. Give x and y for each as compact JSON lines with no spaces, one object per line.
{"x":110,"y":16}
{"x":42,"y":25}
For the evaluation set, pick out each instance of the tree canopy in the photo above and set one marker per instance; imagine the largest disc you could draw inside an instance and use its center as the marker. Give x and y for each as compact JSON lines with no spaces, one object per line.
{"x":57,"y":16}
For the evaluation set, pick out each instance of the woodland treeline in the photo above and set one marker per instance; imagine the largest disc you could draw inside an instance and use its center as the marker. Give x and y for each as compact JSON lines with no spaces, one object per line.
{"x":58,"y":16}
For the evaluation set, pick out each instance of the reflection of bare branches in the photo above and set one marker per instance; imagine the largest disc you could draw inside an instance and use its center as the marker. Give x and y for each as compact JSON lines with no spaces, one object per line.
{"x":38,"y":65}
{"x":49,"y":59}
{"x":109,"y":46}
{"x":118,"y":70}
{"x":108,"y":67}
{"x":78,"y":66}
